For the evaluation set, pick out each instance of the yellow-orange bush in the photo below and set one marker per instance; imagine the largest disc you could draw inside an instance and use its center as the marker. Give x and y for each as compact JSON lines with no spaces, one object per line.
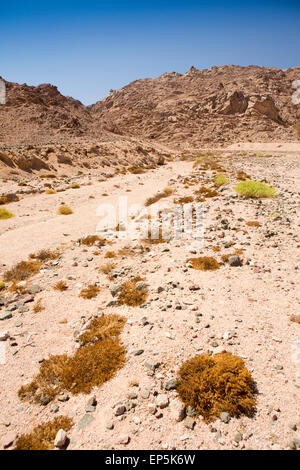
{"x":99,"y":357}
{"x":212,"y":384}
{"x":42,"y":436}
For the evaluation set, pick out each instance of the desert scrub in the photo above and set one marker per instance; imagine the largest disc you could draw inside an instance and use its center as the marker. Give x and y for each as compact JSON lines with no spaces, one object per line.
{"x":96,"y":361}
{"x":221,"y":180}
{"x":255,"y":189}
{"x":133,"y":293}
{"x":204,"y":263}
{"x":165,"y":193}
{"x":38,"y":307}
{"x":51,"y":191}
{"x":90,"y":240}
{"x":253,"y":223}
{"x":5,"y":214}
{"x":213,"y":384}
{"x":74,"y":186}
{"x":184,"y":200}
{"x":22,"y":270}
{"x":206,"y":192}
{"x":42,"y":436}
{"x":45,"y":255}
{"x":61,"y":286}
{"x":65,"y":210}
{"x":2,"y":285}
{"x":110,"y":254}
{"x":297,"y":129}
{"x":89,"y":292}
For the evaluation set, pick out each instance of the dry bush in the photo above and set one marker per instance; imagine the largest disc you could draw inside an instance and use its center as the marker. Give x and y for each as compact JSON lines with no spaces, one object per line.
{"x":131,"y":294}
{"x":165,"y":193}
{"x":38,"y":307}
{"x":90,"y":240}
{"x":216,"y":248}
{"x":136,"y":170}
{"x":65,"y":210}
{"x":89,"y":292}
{"x":253,"y":223}
{"x":61,"y":286}
{"x":97,"y":360}
{"x":5,"y":214}
{"x":295,"y":318}
{"x":2,"y":285}
{"x":206,"y":193}
{"x":242,"y":176}
{"x":45,"y":255}
{"x":74,"y":186}
{"x":184,"y":200}
{"x":213,"y":384}
{"x":51,"y":191}
{"x":110,"y":254}
{"x":7,"y":198}
{"x":205,"y":263}
{"x":50,"y":176}
{"x":102,"y":328}
{"x":107,"y":268}
{"x":297,"y":128}
{"x":42,"y":436}
{"x":23,"y":270}
{"x":254,"y":189}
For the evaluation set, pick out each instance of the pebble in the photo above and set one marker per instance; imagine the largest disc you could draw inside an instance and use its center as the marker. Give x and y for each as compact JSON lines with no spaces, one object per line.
{"x":60,"y":438}
{"x":162,"y":401}
{"x":225,"y":417}
{"x":189,"y":422}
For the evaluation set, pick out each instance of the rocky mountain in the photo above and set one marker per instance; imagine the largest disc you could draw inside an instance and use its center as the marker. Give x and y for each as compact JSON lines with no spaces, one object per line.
{"x":219,"y":105}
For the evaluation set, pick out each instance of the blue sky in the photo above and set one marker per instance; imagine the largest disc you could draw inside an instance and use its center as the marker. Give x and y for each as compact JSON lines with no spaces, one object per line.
{"x":87,"y":48}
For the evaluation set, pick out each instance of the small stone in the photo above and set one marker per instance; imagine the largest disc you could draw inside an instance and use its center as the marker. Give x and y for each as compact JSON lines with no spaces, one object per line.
{"x":5,"y":316}
{"x":34,"y":289}
{"x":109,"y":425}
{"x":4,"y":335}
{"x":171,"y":384}
{"x":293,"y":427}
{"x":225,"y":417}
{"x":162,"y":401}
{"x":120,"y":410}
{"x":45,"y":400}
{"x":234,"y":260}
{"x":145,"y":394}
{"x":63,"y":397}
{"x":138,"y":352}
{"x":190,"y":411}
{"x":177,"y":410}
{"x":60,"y":438}
{"x":8,"y":439}
{"x":189,"y":422}
{"x":238,"y":437}
{"x":123,"y":439}
{"x":54,"y":408}
{"x":294,"y":444}
{"x":85,"y":421}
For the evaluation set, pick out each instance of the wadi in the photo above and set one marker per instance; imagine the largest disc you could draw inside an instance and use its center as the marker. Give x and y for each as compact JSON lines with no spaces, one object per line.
{"x":149,"y":264}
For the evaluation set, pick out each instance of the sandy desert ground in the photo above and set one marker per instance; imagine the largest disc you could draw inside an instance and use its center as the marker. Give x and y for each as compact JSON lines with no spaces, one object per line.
{"x":245,"y":310}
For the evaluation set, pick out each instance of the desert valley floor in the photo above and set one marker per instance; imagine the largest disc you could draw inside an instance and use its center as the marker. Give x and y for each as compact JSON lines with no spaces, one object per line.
{"x":250,"y":310}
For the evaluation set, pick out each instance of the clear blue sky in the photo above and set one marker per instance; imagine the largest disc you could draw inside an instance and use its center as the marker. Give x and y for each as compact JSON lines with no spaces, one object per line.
{"x":86,"y":48}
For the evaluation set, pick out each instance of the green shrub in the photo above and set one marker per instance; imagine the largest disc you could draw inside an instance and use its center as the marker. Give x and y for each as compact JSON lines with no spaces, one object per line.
{"x":5,"y":214}
{"x":254,"y":189}
{"x":220,"y":180}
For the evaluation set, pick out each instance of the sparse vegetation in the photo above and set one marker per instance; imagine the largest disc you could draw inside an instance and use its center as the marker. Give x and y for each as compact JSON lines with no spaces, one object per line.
{"x":213,"y":384}
{"x":42,"y":436}
{"x":110,"y":254}
{"x":65,"y":210}
{"x":51,"y":191}
{"x":297,"y":128}
{"x":184,"y":200}
{"x":74,"y":186}
{"x":90,"y":240}
{"x":205,"y":263}
{"x":96,"y":361}
{"x":132,"y":294}
{"x":38,"y":307}
{"x":5,"y":214}
{"x":89,"y":292}
{"x":61,"y":286}
{"x":45,"y":255}
{"x":253,"y":223}
{"x":165,"y":193}
{"x":254,"y":189}
{"x":221,"y":180}
{"x":22,"y":270}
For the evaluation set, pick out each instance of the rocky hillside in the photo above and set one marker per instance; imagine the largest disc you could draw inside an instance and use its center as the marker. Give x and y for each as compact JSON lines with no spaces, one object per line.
{"x":218,"y":105}
{"x":202,"y":107}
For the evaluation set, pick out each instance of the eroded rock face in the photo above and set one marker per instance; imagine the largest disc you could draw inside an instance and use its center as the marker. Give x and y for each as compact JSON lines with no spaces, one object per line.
{"x":265,"y":106}
{"x":235,"y":103}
